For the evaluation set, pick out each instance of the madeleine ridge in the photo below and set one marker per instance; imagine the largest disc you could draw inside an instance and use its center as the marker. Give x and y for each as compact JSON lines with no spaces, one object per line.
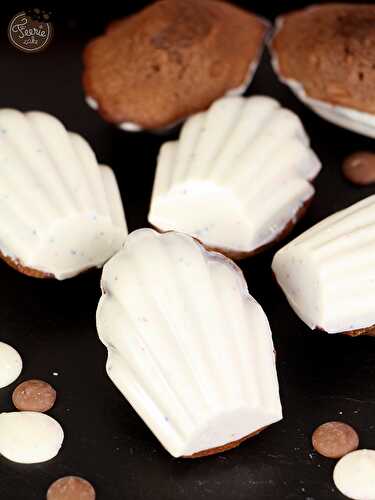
{"x":327,"y":273}
{"x":60,"y":211}
{"x":170,"y":60}
{"x":238,"y":178}
{"x":188,"y":346}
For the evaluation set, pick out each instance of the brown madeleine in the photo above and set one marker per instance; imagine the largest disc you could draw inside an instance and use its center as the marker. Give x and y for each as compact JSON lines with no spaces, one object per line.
{"x":330,"y":49}
{"x":170,"y":60}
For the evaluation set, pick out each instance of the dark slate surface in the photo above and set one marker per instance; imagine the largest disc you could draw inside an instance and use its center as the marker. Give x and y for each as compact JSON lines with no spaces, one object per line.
{"x":52,"y":324}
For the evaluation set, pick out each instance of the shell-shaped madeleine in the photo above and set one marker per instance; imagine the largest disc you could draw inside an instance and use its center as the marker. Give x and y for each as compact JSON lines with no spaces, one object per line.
{"x":238,"y":178}
{"x":155,"y":68}
{"x":328,"y":273}
{"x":188,"y":347}
{"x":324,"y":54}
{"x":60,"y":212}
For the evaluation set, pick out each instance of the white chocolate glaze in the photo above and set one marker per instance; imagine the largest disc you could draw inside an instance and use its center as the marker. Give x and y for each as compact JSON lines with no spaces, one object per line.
{"x":238,"y":174}
{"x":10,"y":365}
{"x":29,"y":437}
{"x":349,"y":118}
{"x":60,"y":212}
{"x":188,"y":346}
{"x":354,"y":475}
{"x":328,"y":272}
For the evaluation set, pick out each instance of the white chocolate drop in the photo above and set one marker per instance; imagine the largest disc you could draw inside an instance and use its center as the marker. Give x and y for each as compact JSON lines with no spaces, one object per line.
{"x":10,"y":364}
{"x":354,"y":475}
{"x":29,"y":437}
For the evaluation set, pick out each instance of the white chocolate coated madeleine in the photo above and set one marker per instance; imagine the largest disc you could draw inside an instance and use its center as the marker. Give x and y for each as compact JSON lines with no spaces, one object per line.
{"x":328,"y":272}
{"x":238,"y":178}
{"x":188,"y":346}
{"x":60,"y":212}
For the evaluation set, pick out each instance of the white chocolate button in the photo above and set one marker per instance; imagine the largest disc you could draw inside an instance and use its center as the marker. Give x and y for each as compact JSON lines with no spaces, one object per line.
{"x":354,"y":475}
{"x":10,"y":364}
{"x":29,"y":437}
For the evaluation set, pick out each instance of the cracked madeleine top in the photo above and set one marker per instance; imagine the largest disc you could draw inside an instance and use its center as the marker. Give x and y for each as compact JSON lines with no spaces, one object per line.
{"x":330,"y":50}
{"x":170,"y":60}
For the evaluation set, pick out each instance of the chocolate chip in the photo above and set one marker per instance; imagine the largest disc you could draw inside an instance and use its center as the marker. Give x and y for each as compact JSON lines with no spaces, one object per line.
{"x":359,"y":168}
{"x":335,"y":439}
{"x":34,"y":395}
{"x":71,"y":488}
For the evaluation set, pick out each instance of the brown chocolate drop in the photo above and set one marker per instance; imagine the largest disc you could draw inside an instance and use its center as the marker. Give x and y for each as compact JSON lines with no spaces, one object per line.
{"x":335,"y":439}
{"x":71,"y":488}
{"x":34,"y":395}
{"x":359,"y":168}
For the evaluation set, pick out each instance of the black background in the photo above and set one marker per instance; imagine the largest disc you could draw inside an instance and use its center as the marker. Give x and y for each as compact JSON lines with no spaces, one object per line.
{"x":52,"y":323}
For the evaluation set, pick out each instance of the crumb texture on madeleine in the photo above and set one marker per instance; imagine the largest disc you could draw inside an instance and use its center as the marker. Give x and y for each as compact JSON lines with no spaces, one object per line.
{"x":329,"y":50}
{"x":170,"y":60}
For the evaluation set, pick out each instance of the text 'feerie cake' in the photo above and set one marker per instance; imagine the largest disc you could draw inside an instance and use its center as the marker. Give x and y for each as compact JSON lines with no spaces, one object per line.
{"x":328,"y":273}
{"x":60,"y":212}
{"x":238,"y":178}
{"x":188,"y":346}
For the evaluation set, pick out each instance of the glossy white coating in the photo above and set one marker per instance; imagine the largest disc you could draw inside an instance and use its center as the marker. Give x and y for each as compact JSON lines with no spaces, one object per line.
{"x":237,"y":175}
{"x":10,"y":365}
{"x":29,"y":437}
{"x":328,"y":272}
{"x":188,"y":347}
{"x":60,"y":212}
{"x":354,"y":475}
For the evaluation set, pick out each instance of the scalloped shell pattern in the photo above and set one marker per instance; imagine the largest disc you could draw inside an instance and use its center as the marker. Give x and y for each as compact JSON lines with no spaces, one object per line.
{"x":188,"y":347}
{"x":60,"y":212}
